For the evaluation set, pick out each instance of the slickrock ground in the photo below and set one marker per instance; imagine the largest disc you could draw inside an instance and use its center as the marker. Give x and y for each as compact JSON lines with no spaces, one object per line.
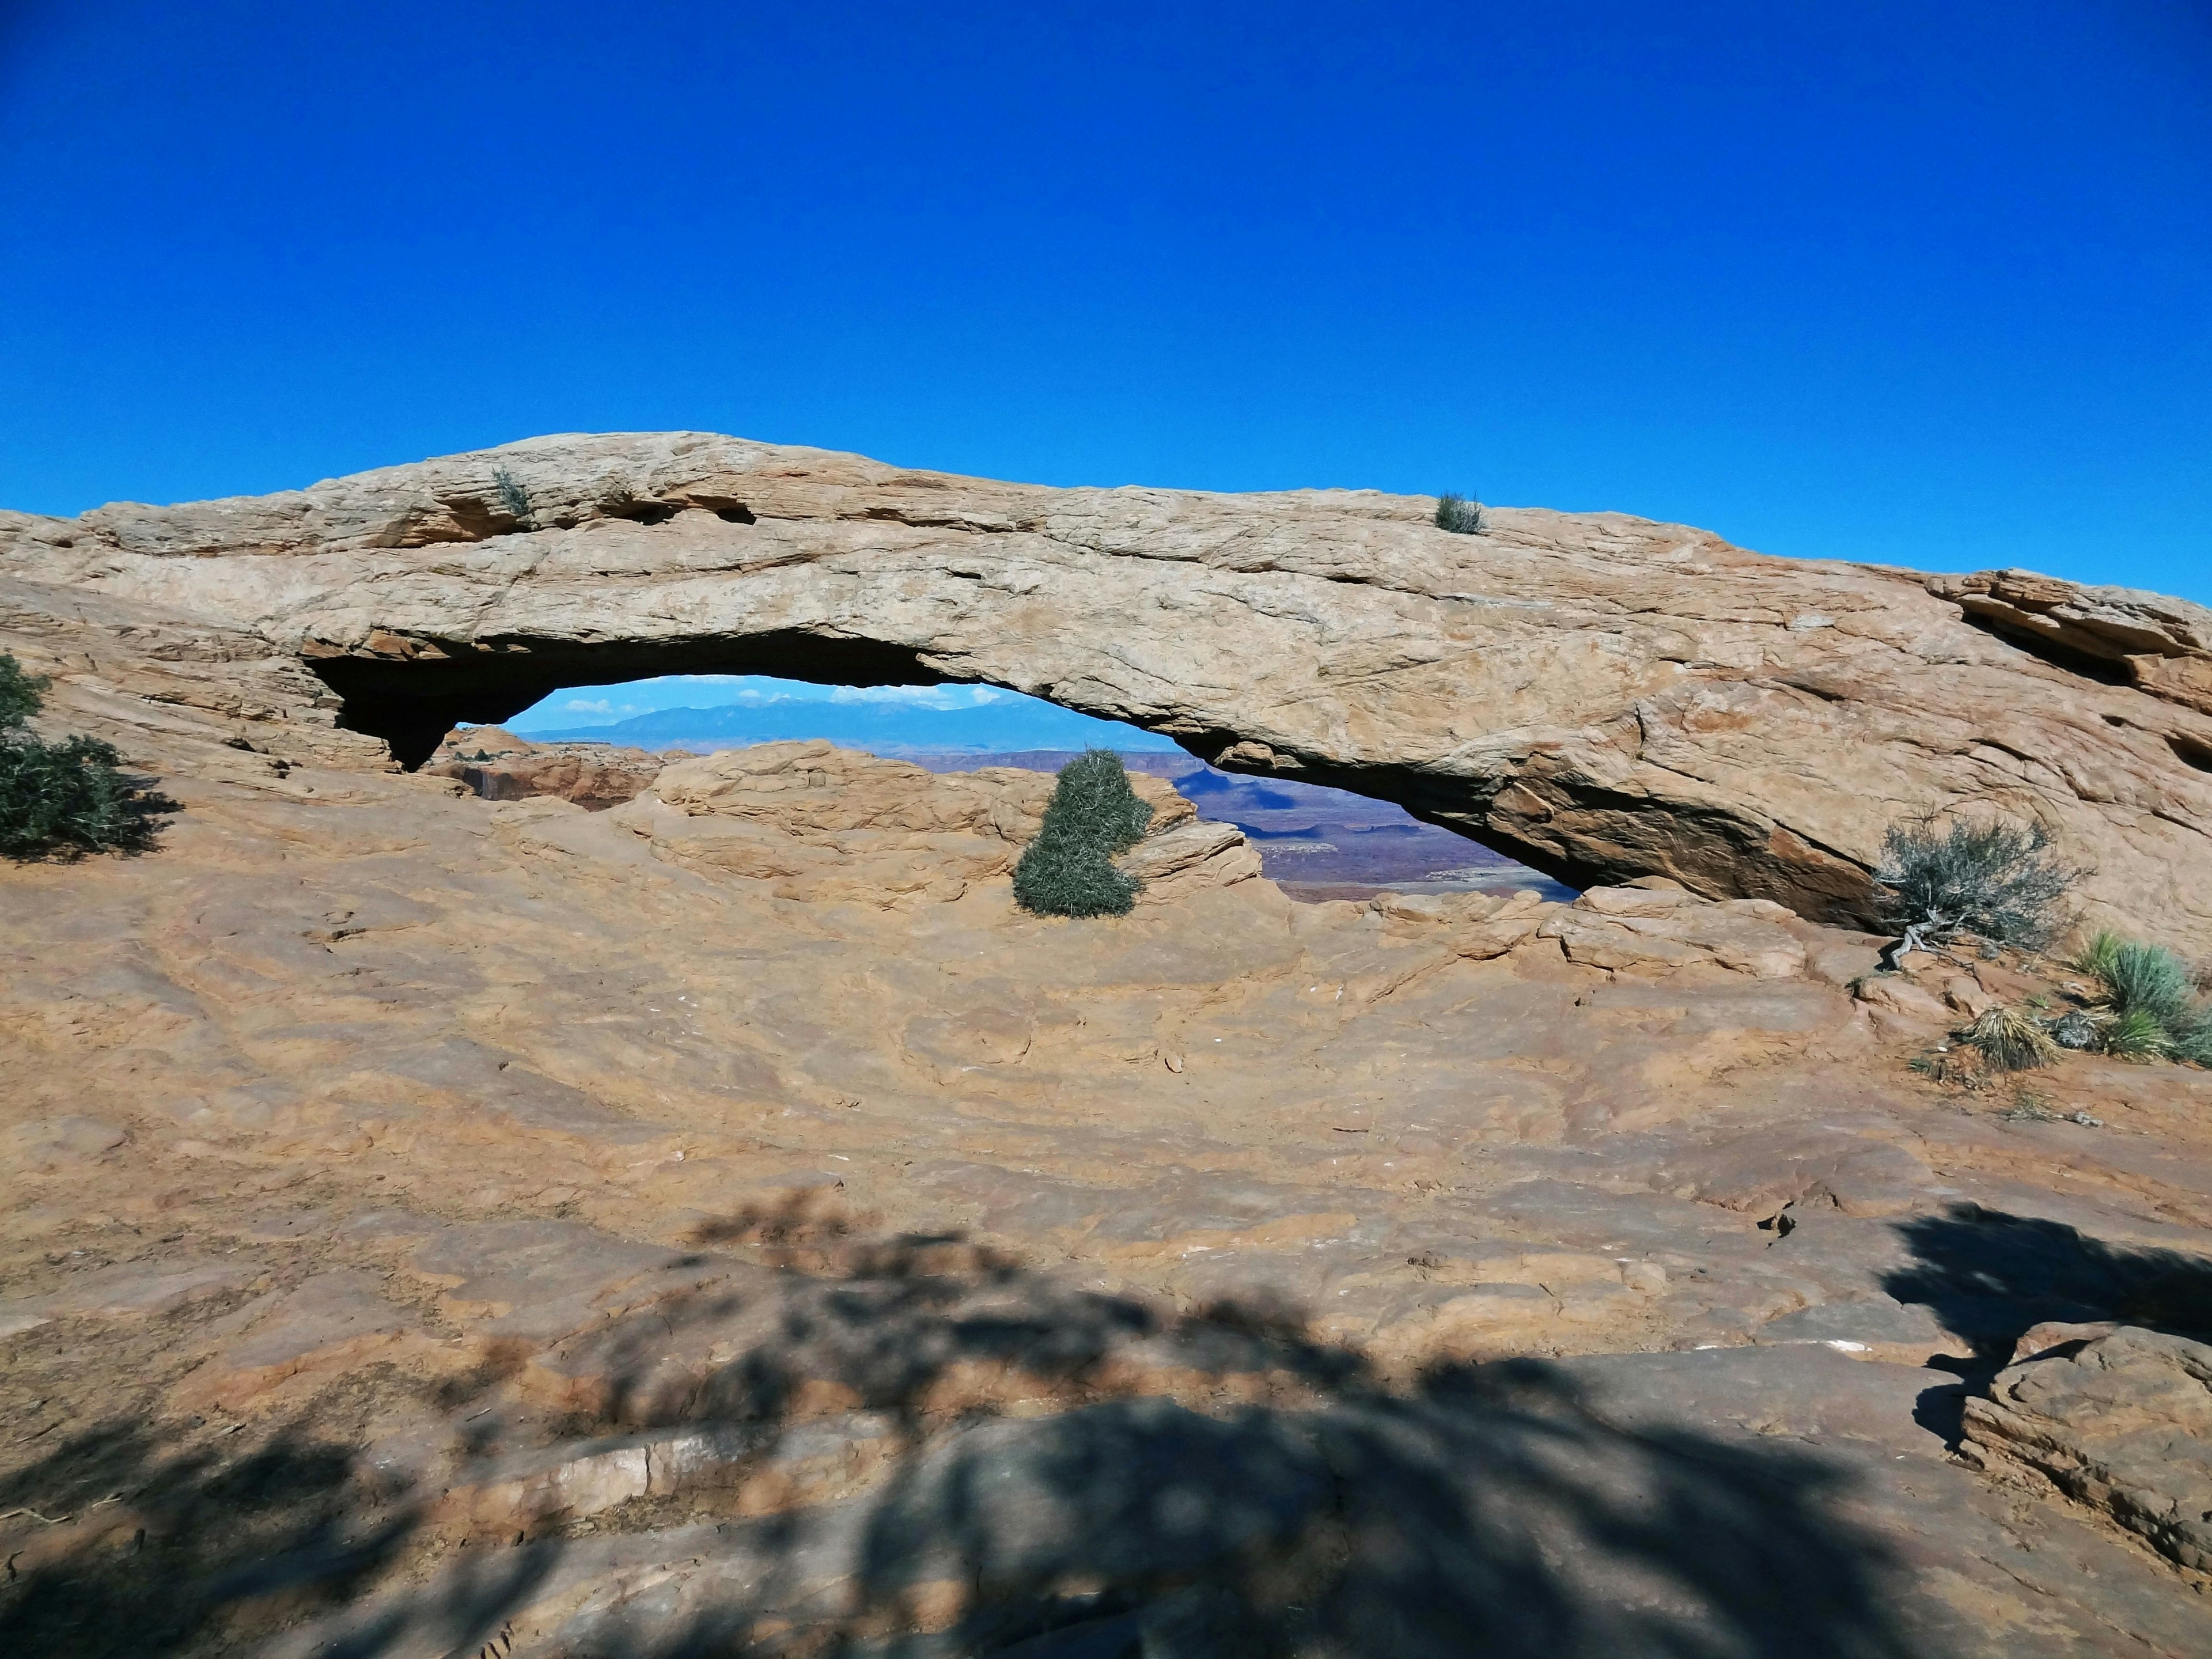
{"x":722,"y":1219}
{"x":566,"y":1208}
{"x":1601,"y":696}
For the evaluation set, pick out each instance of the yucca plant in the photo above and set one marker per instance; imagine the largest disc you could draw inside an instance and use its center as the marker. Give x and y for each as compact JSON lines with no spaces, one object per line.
{"x":2010,"y":1040}
{"x":2150,"y":1009}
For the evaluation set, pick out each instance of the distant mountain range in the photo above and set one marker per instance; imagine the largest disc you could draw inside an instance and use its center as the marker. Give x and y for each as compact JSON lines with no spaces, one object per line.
{"x":881,"y":728}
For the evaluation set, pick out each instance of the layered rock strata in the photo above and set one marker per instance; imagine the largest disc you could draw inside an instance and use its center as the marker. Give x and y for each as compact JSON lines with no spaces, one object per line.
{"x":2121,"y":1421}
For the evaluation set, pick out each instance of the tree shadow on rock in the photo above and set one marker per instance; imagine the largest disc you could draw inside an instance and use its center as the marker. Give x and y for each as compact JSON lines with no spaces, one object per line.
{"x":1081,"y":1475}
{"x":1063,"y":1474}
{"x":1989,"y":1277}
{"x":136,"y":1551}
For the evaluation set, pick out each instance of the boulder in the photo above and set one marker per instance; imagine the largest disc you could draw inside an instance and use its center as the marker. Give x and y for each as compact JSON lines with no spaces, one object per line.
{"x":1635,"y":927}
{"x":2122,"y":1422}
{"x":497,"y":765}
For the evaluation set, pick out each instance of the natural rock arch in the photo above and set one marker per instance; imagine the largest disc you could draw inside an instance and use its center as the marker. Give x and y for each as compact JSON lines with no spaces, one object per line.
{"x":1602,"y":697}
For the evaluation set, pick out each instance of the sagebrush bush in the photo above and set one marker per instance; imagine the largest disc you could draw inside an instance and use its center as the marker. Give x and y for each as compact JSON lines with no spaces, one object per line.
{"x":67,"y":798}
{"x":1997,"y":880}
{"x":1460,"y":514}
{"x":2151,"y":1009}
{"x":1068,"y":870}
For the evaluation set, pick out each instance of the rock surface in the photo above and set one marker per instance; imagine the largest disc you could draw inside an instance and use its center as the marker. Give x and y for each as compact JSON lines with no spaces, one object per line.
{"x":497,"y":765}
{"x":717,"y":1216}
{"x":2122,"y":1421}
{"x":435,"y":1220}
{"x":1602,"y":697}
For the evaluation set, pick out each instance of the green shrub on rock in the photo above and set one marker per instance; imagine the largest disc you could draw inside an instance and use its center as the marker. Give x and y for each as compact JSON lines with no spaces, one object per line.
{"x":1459,"y":514}
{"x":21,"y":695}
{"x":1068,"y":870}
{"x":2151,"y":1010}
{"x":69,"y":798}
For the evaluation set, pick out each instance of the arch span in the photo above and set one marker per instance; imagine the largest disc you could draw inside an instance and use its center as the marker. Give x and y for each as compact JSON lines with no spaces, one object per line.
{"x":1601,"y":697}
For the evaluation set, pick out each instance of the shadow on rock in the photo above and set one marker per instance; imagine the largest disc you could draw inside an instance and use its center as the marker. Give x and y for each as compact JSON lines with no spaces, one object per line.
{"x":1992,"y":1277}
{"x":1063,"y":1474}
{"x":140,"y":1552}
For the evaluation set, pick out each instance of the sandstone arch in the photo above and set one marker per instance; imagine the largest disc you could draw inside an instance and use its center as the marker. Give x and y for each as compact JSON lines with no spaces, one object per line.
{"x":1599,"y":695}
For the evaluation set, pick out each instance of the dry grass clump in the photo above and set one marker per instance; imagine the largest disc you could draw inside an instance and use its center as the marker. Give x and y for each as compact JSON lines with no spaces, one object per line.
{"x":2010,"y":1039}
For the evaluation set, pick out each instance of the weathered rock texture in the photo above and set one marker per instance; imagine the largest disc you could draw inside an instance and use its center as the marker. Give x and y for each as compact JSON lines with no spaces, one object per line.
{"x":1601,"y":695}
{"x":725,"y":1219}
{"x":2123,"y":1422}
{"x":499,"y":766}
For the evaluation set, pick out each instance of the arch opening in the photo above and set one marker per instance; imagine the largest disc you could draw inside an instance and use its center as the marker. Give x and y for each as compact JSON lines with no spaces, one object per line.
{"x":1317,"y":841}
{"x":420,"y":690}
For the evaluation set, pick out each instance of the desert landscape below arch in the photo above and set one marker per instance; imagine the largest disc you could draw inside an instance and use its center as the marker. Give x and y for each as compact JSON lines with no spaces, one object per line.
{"x":713,"y":1216}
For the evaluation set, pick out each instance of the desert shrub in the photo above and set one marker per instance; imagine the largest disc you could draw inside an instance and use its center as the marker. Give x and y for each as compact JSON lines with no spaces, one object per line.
{"x":511,"y":496}
{"x":63,"y":798}
{"x":1997,"y":880}
{"x":1068,"y":870}
{"x":21,"y":695}
{"x":2010,"y":1040}
{"x":2151,"y":1010}
{"x":1460,"y":514}
{"x":2134,"y":1036}
{"x":2139,"y":978}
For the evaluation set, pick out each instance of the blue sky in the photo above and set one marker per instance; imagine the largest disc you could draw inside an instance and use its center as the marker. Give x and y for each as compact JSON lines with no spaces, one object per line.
{"x":601,"y":705}
{"x":901,"y":717}
{"x":1920,"y":282}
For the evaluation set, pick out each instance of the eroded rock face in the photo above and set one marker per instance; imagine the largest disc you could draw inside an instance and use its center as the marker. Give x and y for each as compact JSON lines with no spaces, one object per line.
{"x":497,"y":765}
{"x":2162,"y":644}
{"x":1601,"y":695}
{"x":2121,"y":1422}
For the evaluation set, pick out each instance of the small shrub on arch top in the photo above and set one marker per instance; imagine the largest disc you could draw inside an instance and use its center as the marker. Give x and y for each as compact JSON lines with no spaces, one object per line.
{"x":68,"y":798}
{"x":1459,"y":514}
{"x":1068,"y":870}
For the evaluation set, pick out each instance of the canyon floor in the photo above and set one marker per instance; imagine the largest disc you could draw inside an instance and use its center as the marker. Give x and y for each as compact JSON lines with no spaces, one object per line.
{"x":723,"y":1222}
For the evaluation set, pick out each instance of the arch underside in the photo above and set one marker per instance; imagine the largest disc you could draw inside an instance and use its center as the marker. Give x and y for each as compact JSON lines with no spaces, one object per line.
{"x":411,"y":696}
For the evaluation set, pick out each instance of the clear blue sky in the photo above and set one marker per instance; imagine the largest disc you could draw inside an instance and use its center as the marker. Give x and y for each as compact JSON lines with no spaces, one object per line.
{"x":1925,"y":282}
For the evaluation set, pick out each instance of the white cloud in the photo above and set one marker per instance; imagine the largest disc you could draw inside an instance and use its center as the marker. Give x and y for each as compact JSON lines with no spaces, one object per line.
{"x":920,"y":696}
{"x":590,"y":704}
